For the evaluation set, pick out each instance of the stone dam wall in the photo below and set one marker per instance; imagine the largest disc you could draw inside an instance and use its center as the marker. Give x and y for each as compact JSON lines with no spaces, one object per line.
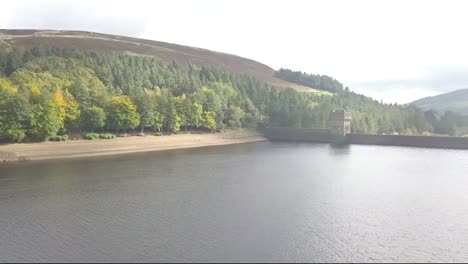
{"x":323,"y":136}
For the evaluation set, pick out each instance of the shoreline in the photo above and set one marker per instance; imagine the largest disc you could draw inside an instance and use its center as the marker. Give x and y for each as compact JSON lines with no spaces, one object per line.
{"x":72,"y":149}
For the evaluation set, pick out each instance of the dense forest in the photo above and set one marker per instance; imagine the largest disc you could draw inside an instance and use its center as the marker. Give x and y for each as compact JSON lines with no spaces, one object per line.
{"x":321,"y":82}
{"x":46,"y":92}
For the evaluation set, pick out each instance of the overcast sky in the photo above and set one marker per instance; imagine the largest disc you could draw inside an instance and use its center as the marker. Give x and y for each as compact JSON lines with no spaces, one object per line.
{"x":397,"y":51}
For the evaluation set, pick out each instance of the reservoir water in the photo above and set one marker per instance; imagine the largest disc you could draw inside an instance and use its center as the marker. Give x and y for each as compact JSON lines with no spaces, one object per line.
{"x":259,"y":202}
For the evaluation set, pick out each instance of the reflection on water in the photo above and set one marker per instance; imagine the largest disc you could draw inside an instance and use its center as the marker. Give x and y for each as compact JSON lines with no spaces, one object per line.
{"x":339,"y":149}
{"x":262,"y":202}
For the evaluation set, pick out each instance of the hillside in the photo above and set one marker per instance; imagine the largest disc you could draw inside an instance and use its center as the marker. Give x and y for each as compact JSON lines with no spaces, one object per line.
{"x":167,"y":52}
{"x":55,"y":84}
{"x":456,"y":101}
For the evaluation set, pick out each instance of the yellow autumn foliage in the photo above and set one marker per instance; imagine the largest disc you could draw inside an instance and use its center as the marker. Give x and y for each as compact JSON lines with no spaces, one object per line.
{"x":7,"y":86}
{"x":61,"y":104}
{"x":35,"y":90}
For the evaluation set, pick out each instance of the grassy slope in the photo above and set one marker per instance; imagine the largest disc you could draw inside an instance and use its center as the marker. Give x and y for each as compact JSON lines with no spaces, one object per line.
{"x":167,"y":52}
{"x":456,"y":101}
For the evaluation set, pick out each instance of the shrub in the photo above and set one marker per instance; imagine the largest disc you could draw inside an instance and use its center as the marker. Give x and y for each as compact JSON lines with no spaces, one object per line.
{"x":58,"y":138}
{"x":87,"y":137}
{"x":107,"y":136}
{"x":90,"y":136}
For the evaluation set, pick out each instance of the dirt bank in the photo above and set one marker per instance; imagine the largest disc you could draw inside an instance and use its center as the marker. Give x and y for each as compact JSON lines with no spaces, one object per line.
{"x":103,"y":147}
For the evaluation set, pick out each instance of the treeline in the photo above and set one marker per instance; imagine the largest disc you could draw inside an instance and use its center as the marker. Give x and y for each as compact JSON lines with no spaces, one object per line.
{"x":50,"y":91}
{"x":447,"y":123}
{"x":51,"y":95}
{"x":316,"y":81}
{"x":370,"y":116}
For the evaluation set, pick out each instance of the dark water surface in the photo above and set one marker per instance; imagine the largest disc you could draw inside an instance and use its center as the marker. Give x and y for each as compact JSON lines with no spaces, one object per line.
{"x":250,"y":202}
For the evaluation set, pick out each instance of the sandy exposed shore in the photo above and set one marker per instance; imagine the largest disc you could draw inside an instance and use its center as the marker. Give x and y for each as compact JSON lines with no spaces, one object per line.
{"x":103,"y":147}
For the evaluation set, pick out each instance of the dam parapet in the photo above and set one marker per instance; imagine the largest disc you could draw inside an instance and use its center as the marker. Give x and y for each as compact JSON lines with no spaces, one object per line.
{"x":302,"y":134}
{"x":339,"y":132}
{"x":325,"y":136}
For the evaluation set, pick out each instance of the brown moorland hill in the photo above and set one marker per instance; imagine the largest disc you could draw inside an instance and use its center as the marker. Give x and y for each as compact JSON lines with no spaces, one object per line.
{"x":167,"y":52}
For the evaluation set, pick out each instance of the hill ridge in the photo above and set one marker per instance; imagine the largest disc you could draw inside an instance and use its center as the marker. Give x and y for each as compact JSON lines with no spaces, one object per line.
{"x":456,"y":101}
{"x":167,"y":52}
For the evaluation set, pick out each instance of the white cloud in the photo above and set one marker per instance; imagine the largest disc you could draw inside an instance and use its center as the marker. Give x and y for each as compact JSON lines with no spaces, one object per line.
{"x":354,"y":41}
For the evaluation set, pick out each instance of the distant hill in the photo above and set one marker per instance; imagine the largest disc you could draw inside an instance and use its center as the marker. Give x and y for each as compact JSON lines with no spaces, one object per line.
{"x":167,"y":52}
{"x":456,"y":101}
